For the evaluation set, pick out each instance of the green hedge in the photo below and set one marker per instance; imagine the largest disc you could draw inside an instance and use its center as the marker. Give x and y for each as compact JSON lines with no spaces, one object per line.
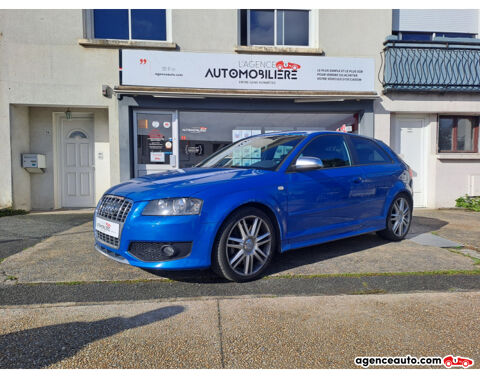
{"x":470,"y":203}
{"x":9,"y":211}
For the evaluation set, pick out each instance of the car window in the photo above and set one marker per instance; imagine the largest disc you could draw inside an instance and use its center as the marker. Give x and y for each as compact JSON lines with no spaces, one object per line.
{"x":282,"y":151}
{"x":331,"y":149}
{"x":260,"y":152}
{"x":368,"y":152}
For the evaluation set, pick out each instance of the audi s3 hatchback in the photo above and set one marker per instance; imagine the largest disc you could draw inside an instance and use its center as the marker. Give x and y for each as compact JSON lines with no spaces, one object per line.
{"x":259,"y":196}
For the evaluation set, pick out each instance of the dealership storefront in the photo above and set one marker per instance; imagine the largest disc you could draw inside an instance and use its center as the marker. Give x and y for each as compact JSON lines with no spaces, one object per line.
{"x":177,"y":108}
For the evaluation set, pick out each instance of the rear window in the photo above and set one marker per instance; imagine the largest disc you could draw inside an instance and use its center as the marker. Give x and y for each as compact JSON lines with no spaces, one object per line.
{"x":368,"y":152}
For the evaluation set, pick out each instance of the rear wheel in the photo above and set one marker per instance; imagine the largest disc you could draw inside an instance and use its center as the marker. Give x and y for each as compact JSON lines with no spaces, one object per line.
{"x":399,"y":219}
{"x":244,"y":246}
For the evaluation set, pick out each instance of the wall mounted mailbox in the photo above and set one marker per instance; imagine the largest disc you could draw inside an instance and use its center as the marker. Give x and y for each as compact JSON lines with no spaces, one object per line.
{"x":34,"y":163}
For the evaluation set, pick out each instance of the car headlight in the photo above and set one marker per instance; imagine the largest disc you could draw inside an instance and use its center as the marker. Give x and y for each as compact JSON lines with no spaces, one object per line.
{"x":173,"y":206}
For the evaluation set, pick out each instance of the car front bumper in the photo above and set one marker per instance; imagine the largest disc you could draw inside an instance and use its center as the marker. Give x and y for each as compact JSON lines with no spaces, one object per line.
{"x":162,"y":229}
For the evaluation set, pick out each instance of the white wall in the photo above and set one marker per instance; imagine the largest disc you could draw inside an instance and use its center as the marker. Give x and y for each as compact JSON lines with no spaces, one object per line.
{"x":453,"y":180}
{"x":354,"y":32}
{"x":43,"y":65}
{"x":41,"y":142}
{"x":209,"y":30}
{"x":20,"y":142}
{"x":447,"y":174}
{"x":102,"y":153}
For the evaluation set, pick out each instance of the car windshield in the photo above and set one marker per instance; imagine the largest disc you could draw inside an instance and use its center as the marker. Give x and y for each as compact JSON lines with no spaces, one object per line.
{"x":262,"y":152}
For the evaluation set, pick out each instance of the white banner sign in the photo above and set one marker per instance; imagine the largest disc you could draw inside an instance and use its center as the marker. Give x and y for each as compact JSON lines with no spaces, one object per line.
{"x":253,"y":72}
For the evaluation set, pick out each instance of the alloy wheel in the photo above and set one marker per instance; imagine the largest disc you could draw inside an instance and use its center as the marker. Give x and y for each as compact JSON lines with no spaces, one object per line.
{"x":249,"y":245}
{"x":400,"y":217}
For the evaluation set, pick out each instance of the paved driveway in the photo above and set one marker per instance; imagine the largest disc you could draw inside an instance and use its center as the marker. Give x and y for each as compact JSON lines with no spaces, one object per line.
{"x":64,"y":250}
{"x":284,"y":332}
{"x":22,"y":231}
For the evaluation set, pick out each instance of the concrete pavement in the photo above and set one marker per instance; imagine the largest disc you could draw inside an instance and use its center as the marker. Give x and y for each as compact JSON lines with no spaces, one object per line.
{"x":282,"y":332}
{"x":68,"y":255}
{"x":56,"y":314}
{"x":458,"y":225}
{"x":22,"y":231}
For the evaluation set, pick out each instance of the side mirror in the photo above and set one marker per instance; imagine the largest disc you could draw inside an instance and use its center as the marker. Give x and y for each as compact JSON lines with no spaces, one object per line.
{"x":307,"y":163}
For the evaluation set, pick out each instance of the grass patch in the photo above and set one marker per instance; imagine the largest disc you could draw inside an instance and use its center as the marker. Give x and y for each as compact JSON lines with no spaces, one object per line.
{"x":359,"y":275}
{"x":2,"y":260}
{"x":75,"y":283}
{"x":476,"y":261}
{"x":71,"y":283}
{"x":8,"y":211}
{"x":11,"y":278}
{"x":285,"y":276}
{"x":140,"y":280}
{"x":457,"y":248}
{"x":369,"y":291}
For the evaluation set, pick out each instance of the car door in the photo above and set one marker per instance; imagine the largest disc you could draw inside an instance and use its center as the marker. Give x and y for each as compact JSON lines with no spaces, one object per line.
{"x":323,"y":203}
{"x":380,"y":174}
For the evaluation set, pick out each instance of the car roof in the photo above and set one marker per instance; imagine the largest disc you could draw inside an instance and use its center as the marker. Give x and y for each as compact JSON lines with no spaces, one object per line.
{"x":314,"y":133}
{"x":308,"y":132}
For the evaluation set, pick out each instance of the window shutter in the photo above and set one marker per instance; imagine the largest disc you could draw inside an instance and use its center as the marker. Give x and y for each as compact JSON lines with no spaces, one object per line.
{"x":436,"y":20}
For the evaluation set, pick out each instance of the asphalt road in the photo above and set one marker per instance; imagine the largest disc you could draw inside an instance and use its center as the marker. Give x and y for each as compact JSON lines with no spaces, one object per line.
{"x":27,"y":294}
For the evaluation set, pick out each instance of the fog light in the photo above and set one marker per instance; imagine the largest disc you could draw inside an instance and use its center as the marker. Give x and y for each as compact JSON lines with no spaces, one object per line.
{"x":168,"y":250}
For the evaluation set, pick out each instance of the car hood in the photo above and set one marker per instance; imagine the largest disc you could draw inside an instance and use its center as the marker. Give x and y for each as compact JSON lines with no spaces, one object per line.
{"x":183,"y":182}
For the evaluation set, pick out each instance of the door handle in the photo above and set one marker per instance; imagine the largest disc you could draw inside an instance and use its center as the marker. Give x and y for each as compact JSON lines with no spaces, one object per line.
{"x":357,"y":180}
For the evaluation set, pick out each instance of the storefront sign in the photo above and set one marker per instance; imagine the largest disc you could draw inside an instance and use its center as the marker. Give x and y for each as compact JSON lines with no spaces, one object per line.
{"x":252,"y":72}
{"x":195,"y":130}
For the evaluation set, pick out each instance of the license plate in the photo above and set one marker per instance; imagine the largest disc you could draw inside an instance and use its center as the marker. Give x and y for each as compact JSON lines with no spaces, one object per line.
{"x":107,"y":227}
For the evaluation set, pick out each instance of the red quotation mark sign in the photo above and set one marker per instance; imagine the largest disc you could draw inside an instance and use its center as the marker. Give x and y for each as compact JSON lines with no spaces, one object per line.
{"x":143,"y":61}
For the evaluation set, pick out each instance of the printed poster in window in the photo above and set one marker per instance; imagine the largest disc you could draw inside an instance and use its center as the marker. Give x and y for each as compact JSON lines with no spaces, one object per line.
{"x":236,"y":135}
{"x":246,"y":133}
{"x":157,"y":157}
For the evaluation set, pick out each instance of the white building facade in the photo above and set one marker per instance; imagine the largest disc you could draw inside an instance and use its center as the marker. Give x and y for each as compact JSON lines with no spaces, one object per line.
{"x":430,"y":104}
{"x":106,"y":95}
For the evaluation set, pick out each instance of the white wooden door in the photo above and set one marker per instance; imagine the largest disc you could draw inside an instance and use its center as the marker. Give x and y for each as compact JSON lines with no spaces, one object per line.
{"x":77,"y":163}
{"x":412,"y":150}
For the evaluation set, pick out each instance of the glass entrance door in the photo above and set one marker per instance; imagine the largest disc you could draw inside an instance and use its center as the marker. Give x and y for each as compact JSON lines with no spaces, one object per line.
{"x":156,"y":141}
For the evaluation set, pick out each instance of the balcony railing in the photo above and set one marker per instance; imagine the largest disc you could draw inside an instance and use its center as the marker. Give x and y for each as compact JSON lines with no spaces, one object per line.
{"x":441,"y":65}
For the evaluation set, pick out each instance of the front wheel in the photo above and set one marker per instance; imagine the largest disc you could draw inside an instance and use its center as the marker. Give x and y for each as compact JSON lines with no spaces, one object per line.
{"x":244,"y":246}
{"x":399,"y":219}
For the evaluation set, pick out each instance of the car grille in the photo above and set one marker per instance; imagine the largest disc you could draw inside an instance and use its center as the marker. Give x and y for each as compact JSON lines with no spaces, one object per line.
{"x":107,"y":239}
{"x":114,"y":208}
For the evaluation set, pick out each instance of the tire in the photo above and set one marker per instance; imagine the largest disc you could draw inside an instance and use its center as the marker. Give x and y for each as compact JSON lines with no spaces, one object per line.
{"x":240,"y":252}
{"x":399,"y":218}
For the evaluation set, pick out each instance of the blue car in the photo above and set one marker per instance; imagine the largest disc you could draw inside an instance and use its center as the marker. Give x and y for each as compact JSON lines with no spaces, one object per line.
{"x":262,"y":195}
